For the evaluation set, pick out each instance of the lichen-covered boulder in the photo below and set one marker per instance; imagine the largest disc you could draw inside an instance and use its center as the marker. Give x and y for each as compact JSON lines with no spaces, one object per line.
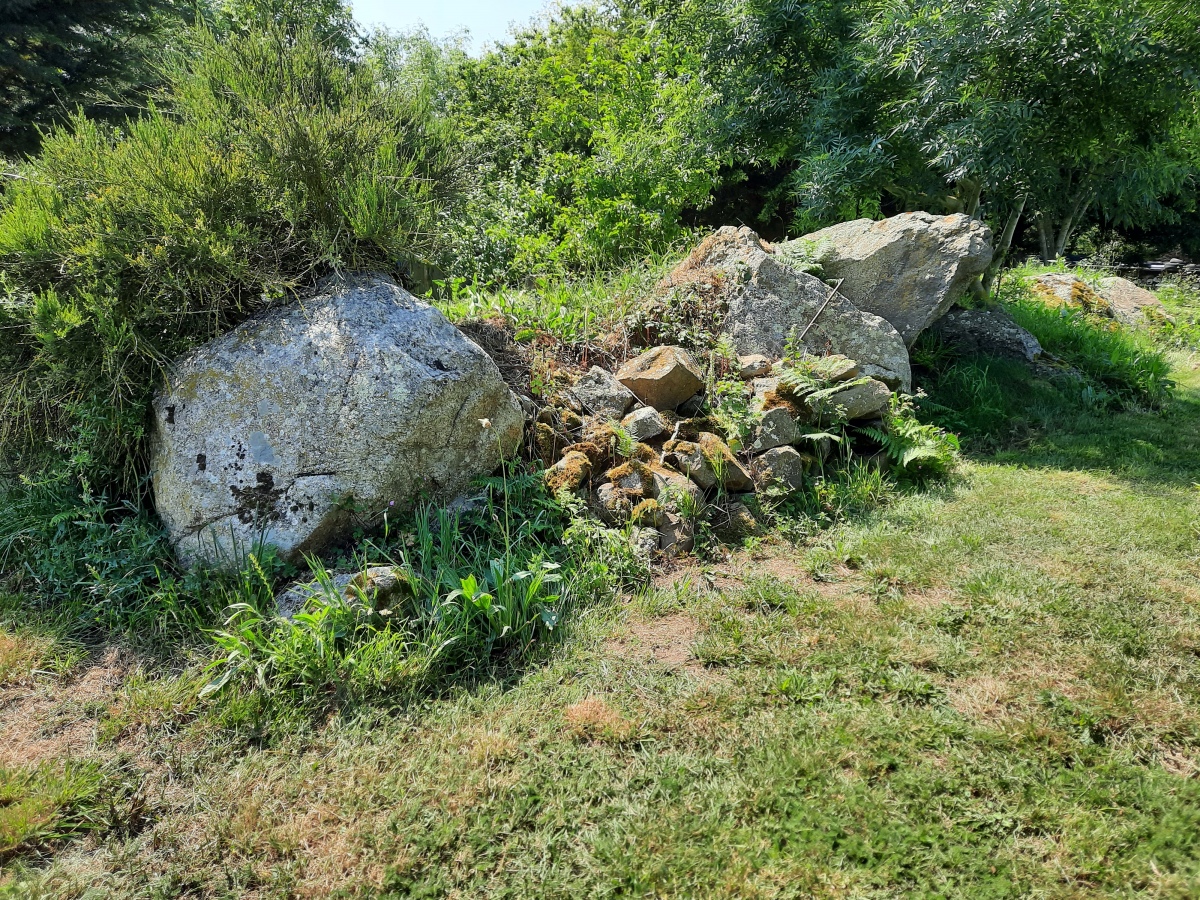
{"x":767,"y":303}
{"x":662,"y":377}
{"x":314,"y":415}
{"x":861,"y":399}
{"x":644,"y":424}
{"x":989,"y":331}
{"x":1064,"y":289}
{"x":777,"y":429}
{"x":909,"y":269}
{"x":783,"y":466}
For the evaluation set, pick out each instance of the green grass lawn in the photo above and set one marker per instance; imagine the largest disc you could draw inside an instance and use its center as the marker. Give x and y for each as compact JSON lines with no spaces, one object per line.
{"x":990,"y":689}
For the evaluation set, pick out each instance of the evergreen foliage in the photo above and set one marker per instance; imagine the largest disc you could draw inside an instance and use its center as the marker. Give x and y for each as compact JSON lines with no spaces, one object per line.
{"x":56,"y":55}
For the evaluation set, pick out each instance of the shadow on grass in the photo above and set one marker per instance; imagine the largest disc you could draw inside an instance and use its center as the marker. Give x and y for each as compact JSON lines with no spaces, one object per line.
{"x":1005,"y":412}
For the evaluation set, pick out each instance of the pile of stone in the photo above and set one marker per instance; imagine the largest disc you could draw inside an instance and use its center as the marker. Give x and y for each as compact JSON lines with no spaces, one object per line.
{"x":634,"y":445}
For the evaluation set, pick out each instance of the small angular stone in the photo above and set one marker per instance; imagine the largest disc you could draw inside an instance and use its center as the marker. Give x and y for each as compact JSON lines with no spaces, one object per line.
{"x":736,"y":476}
{"x":602,"y":395}
{"x":644,"y":424}
{"x":777,"y":429}
{"x":783,"y":466}
{"x":862,"y":399}
{"x":677,"y":535}
{"x":671,"y":488}
{"x":753,"y":366}
{"x":662,"y":377}
{"x":612,"y":504}
{"x":569,"y":473}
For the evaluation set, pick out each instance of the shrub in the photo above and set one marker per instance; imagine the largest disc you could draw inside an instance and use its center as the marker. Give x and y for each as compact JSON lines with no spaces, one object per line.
{"x":270,"y":159}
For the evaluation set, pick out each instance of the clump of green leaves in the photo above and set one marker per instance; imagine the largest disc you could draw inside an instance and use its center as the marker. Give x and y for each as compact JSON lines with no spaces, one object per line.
{"x":473,"y":593}
{"x":919,"y":451}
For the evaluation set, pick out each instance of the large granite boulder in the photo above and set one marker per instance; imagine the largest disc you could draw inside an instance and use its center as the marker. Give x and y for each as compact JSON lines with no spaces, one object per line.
{"x":767,"y":302}
{"x":315,"y":415}
{"x":989,"y":331}
{"x":909,"y":269}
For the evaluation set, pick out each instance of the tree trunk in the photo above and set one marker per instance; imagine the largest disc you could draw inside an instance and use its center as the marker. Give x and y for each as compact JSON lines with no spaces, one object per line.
{"x":1078,"y":206}
{"x":1003,"y":245}
{"x":1044,"y":241}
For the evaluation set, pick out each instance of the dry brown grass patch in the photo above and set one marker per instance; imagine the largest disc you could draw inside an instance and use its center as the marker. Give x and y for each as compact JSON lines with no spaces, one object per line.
{"x":593,"y":719}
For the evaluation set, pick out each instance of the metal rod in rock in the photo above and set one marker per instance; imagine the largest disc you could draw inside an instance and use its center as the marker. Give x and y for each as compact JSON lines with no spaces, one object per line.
{"x":820,"y":310}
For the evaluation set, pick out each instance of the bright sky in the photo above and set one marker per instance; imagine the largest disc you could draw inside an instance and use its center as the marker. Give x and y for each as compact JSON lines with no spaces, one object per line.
{"x":486,"y":20}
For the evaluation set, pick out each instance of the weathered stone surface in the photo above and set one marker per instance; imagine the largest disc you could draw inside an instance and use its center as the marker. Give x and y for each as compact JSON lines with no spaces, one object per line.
{"x":600,"y":394}
{"x":989,"y":331}
{"x":860,"y":399}
{"x":644,"y":424}
{"x":677,"y":535}
{"x":1129,"y":304}
{"x":570,"y":473}
{"x":671,"y":489}
{"x":359,"y":396}
{"x":689,"y":459}
{"x":752,"y":366}
{"x":781,"y":465}
{"x":662,"y":377}
{"x":833,"y":368}
{"x":612,"y":504}
{"x":909,"y":269}
{"x":645,"y":541}
{"x":736,"y":478}
{"x":648,"y":513}
{"x":767,"y":301}
{"x":1065,"y":289}
{"x":777,"y":429}
{"x":701,"y":459}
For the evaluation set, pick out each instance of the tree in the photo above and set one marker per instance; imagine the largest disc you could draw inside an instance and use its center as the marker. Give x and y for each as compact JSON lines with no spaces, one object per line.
{"x":56,"y":55}
{"x":1049,"y":107}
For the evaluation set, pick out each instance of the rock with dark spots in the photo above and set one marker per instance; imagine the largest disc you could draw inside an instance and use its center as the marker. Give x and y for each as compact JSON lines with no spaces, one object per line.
{"x":612,"y":504}
{"x":768,"y":304}
{"x":677,"y":535}
{"x":662,"y":377}
{"x":783,"y":466}
{"x":909,"y":269}
{"x":600,"y":394}
{"x":777,"y":429}
{"x":989,"y":331}
{"x":313,"y":416}
{"x":644,"y":424}
{"x":673,"y":489}
{"x":861,"y":399}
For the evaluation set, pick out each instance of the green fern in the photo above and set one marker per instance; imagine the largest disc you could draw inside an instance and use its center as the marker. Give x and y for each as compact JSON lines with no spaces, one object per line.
{"x":918,"y":450}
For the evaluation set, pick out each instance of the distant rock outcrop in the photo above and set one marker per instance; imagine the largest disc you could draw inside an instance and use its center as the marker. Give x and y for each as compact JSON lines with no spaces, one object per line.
{"x":286,"y":429}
